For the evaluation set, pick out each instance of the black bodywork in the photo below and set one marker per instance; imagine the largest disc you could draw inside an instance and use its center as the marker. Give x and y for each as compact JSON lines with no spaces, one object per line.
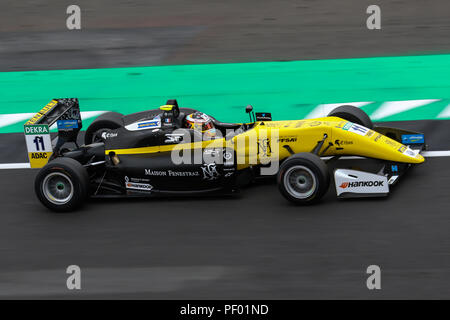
{"x":146,"y":174}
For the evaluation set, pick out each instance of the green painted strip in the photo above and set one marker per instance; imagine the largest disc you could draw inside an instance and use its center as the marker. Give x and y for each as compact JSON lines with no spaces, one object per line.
{"x":287,"y":89}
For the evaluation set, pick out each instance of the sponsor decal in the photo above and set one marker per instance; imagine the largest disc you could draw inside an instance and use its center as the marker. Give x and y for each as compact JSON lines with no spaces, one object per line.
{"x":145,"y":124}
{"x":139,"y":180}
{"x":287,"y":139}
{"x":39,"y":144}
{"x":341,"y":143}
{"x":67,"y":124}
{"x":228,"y":174}
{"x":36,"y":129}
{"x":315,"y":123}
{"x":107,"y":135}
{"x":402,"y":149}
{"x":38,"y":159}
{"x":183,"y":173}
{"x":356,"y":128}
{"x":390,"y":142}
{"x":351,"y":182}
{"x":149,"y":172}
{"x":356,"y":184}
{"x":39,"y":155}
{"x":173,"y":137}
{"x":263,"y":116}
{"x":42,"y":112}
{"x":392,"y":179}
{"x":171,"y":173}
{"x":149,"y":124}
{"x":137,"y":185}
{"x":370,"y":133}
{"x":347,"y":126}
{"x":409,"y":152}
{"x":211,"y":151}
{"x":413,"y":138}
{"x":341,"y":124}
{"x":210,"y":171}
{"x":377,"y":137}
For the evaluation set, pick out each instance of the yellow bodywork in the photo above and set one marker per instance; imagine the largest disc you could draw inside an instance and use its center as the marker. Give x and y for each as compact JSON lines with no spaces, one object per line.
{"x":345,"y":142}
{"x":271,"y":140}
{"x":303,"y":136}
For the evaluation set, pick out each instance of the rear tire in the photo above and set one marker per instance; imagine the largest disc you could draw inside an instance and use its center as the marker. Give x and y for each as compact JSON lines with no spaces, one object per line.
{"x":303,"y":178}
{"x":62,"y":185}
{"x":105,"y":122}
{"x":352,"y":114}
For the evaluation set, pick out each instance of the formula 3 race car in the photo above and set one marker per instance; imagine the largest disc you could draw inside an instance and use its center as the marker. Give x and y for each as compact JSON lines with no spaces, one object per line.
{"x":166,"y":151}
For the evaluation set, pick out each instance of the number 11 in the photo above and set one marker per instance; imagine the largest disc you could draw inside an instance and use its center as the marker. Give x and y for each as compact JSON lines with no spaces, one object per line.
{"x":39,"y":140}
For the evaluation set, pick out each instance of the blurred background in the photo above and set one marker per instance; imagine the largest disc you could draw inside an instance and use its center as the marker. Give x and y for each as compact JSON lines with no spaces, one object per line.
{"x":119,"y":33}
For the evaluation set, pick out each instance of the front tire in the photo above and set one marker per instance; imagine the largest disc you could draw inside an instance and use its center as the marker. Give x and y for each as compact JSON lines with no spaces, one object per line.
{"x":303,"y":178}
{"x":352,"y":114}
{"x":62,"y":185}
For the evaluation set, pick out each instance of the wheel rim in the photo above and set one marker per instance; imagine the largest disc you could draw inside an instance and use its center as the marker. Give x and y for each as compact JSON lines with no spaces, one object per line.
{"x":300,"y":182}
{"x":57,"y":188}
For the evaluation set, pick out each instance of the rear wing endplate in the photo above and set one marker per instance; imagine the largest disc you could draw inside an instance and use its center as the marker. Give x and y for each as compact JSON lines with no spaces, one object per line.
{"x":66,"y":114}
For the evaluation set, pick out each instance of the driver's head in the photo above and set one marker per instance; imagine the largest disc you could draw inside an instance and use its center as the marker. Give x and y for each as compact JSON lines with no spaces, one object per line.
{"x":202,"y":123}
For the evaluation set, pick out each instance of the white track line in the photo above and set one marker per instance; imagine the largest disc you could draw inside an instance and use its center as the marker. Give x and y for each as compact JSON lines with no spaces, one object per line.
{"x":390,"y":108}
{"x":444,"y":113}
{"x":426,"y":154}
{"x":13,"y":118}
{"x":431,"y":154}
{"x":24,"y":165}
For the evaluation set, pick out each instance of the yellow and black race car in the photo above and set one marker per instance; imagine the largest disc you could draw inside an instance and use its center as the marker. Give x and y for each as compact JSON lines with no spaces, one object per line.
{"x":176,"y":151}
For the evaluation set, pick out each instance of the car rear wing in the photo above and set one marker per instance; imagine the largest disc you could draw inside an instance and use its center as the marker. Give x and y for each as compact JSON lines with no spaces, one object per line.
{"x":65,"y":113}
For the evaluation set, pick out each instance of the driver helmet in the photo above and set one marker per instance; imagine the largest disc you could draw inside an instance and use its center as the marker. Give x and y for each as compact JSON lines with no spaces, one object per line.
{"x":202,"y":123}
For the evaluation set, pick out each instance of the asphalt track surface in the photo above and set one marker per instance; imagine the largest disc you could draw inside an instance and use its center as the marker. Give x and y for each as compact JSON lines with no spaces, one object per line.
{"x":255,"y":245}
{"x":121,"y":33}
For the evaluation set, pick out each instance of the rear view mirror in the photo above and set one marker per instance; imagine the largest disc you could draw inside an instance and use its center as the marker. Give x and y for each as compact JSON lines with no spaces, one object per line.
{"x":249,"y":109}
